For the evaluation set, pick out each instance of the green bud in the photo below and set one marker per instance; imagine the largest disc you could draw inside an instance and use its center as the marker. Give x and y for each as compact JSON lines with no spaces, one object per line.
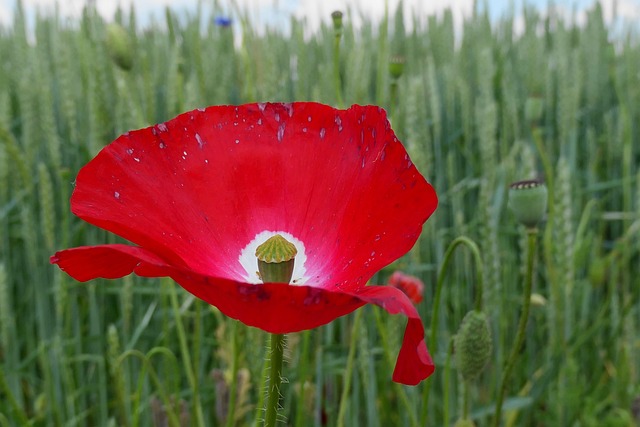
{"x":336,"y":16}
{"x":473,"y":345}
{"x":119,"y":46}
{"x":276,"y":259}
{"x":528,"y":201}
{"x":396,"y":66}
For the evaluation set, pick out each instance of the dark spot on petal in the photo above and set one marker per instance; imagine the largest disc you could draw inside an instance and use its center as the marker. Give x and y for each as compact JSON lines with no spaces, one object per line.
{"x":314,"y":296}
{"x":257,"y":291}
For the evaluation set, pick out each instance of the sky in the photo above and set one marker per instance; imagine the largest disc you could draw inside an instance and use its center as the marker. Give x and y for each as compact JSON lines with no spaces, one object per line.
{"x":277,"y":12}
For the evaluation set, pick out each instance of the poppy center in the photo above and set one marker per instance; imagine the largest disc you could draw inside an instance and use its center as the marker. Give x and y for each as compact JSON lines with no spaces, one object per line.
{"x":276,"y":248}
{"x":276,"y":258}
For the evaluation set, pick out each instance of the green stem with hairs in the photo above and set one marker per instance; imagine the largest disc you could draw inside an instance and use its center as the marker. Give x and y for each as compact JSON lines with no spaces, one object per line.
{"x":276,"y":356}
{"x":475,"y":251}
{"x":275,"y":263}
{"x":532,"y":235}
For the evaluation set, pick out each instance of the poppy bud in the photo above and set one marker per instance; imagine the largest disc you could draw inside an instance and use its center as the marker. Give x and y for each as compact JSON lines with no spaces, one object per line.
{"x":276,"y":258}
{"x":396,"y":66}
{"x":119,"y":46}
{"x":528,"y":201}
{"x":336,"y":16}
{"x":473,"y":345}
{"x":410,"y":285}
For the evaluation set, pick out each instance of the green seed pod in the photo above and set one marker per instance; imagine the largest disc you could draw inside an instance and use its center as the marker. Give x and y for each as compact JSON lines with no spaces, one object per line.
{"x":119,"y":46}
{"x":528,"y":201}
{"x":336,"y":16}
{"x":396,"y":66}
{"x":473,"y":345}
{"x":276,"y":259}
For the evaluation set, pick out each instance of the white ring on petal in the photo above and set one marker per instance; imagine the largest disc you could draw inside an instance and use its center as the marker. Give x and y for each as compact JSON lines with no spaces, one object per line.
{"x":249,"y":261}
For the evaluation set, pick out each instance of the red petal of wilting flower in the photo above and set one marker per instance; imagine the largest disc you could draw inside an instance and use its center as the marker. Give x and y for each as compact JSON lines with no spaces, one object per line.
{"x":198,"y":193}
{"x":410,"y":285}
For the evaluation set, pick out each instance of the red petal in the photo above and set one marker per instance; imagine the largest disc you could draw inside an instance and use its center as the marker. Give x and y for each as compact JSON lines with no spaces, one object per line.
{"x":414,"y":363}
{"x":272,"y":307}
{"x":278,"y":308}
{"x":197,"y":189}
{"x":410,"y":285}
{"x":105,"y":261}
{"x":194,"y":191}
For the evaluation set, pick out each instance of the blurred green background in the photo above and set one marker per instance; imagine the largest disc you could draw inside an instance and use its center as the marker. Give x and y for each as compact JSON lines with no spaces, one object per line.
{"x":477,"y":108}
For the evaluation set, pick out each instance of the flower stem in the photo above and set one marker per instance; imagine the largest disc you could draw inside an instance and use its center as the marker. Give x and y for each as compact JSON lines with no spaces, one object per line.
{"x":276,"y":355}
{"x":532,"y":235}
{"x":433,"y":342}
{"x":394,"y":98}
{"x":336,"y":70}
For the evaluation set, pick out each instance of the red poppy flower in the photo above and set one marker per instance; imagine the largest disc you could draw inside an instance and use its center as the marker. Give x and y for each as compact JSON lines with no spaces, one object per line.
{"x":410,"y":285}
{"x":199,"y":193}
